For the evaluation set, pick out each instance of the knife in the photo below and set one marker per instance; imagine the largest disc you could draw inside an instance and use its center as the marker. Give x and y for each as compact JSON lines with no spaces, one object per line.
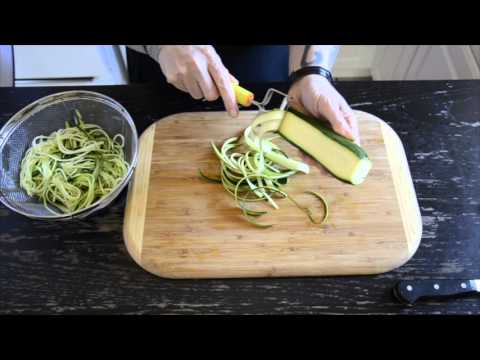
{"x":409,"y":291}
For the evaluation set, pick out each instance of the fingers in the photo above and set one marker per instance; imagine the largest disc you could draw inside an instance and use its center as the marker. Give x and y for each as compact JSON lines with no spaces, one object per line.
{"x":198,"y":70}
{"x":333,"y":114}
{"x":316,"y":97}
{"x":193,"y":87}
{"x":352,"y":121}
{"x":234,"y":80}
{"x":208,"y":88}
{"x":205,"y":81}
{"x":223,"y":82}
{"x":179,"y":84}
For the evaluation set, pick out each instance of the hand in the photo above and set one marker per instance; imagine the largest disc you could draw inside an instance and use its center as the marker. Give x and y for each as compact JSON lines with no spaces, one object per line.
{"x":198,"y":70}
{"x":314,"y":95}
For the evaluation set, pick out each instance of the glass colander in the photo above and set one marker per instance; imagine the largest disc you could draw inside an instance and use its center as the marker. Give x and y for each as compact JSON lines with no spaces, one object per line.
{"x":45,"y":116}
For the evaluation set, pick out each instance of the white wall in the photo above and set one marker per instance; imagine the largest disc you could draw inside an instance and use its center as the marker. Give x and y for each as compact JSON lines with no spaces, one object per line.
{"x":354,"y":61}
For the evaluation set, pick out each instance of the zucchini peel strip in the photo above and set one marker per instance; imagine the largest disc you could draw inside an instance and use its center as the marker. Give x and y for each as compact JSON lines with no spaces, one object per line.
{"x":254,"y":169}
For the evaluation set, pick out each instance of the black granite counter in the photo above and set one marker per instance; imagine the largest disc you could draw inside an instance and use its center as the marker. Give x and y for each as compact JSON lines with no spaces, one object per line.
{"x":82,"y":267}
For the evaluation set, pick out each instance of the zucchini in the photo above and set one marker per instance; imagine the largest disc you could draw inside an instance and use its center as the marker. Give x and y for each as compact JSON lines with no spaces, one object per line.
{"x":340,"y":156}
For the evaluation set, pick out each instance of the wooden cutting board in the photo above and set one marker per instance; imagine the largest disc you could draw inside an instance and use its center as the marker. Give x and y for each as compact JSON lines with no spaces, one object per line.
{"x":177,"y":225}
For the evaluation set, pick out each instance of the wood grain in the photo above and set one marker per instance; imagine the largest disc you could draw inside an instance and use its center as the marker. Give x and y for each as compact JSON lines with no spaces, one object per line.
{"x":402,"y":179}
{"x":135,"y":210}
{"x":192,"y":229}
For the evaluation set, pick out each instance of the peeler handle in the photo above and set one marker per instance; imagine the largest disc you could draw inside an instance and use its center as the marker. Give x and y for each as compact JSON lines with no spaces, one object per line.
{"x":246,"y":98}
{"x":243,"y":96}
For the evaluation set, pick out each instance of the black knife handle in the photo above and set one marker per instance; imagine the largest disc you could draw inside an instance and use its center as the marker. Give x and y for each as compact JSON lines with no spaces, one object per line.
{"x":410,"y":291}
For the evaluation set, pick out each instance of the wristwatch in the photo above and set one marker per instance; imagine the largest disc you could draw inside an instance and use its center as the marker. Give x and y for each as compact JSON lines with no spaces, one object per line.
{"x":310,"y":70}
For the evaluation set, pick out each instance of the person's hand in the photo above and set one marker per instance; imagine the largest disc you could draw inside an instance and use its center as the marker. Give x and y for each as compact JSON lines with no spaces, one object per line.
{"x":199,"y":71}
{"x":314,"y":95}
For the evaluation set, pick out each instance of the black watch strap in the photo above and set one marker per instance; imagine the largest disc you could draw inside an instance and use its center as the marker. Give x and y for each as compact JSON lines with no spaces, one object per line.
{"x":310,"y":70}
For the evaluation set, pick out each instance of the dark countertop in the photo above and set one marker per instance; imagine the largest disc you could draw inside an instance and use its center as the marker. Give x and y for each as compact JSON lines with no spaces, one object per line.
{"x":82,"y":267}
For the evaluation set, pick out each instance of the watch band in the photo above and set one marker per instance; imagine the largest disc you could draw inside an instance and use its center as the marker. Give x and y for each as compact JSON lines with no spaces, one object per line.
{"x":310,"y":70}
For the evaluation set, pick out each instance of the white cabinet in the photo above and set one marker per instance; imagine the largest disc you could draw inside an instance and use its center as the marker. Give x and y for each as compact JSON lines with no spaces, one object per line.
{"x":426,"y":62}
{"x":64,"y":65}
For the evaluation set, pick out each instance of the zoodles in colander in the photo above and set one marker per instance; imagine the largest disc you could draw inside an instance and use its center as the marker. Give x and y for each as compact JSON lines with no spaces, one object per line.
{"x":73,"y":168}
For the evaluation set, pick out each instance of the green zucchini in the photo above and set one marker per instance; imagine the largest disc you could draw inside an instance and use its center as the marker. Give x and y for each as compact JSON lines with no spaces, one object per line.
{"x":342,"y":157}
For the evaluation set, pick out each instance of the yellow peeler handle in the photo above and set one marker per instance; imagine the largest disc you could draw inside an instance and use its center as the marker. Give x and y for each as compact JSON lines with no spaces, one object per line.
{"x":243,"y":96}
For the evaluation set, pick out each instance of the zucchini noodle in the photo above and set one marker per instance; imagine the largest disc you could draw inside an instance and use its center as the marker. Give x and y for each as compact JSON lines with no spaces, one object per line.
{"x":253,"y":169}
{"x":73,"y":168}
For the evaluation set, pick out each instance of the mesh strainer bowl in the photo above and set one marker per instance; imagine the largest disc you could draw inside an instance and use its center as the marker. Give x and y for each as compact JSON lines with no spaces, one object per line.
{"x":45,"y":116}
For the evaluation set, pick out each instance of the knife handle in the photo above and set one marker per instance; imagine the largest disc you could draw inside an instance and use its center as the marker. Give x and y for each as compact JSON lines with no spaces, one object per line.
{"x":410,"y":291}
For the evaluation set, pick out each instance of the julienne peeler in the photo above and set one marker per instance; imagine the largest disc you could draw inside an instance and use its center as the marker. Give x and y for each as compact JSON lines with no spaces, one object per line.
{"x":246,"y":98}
